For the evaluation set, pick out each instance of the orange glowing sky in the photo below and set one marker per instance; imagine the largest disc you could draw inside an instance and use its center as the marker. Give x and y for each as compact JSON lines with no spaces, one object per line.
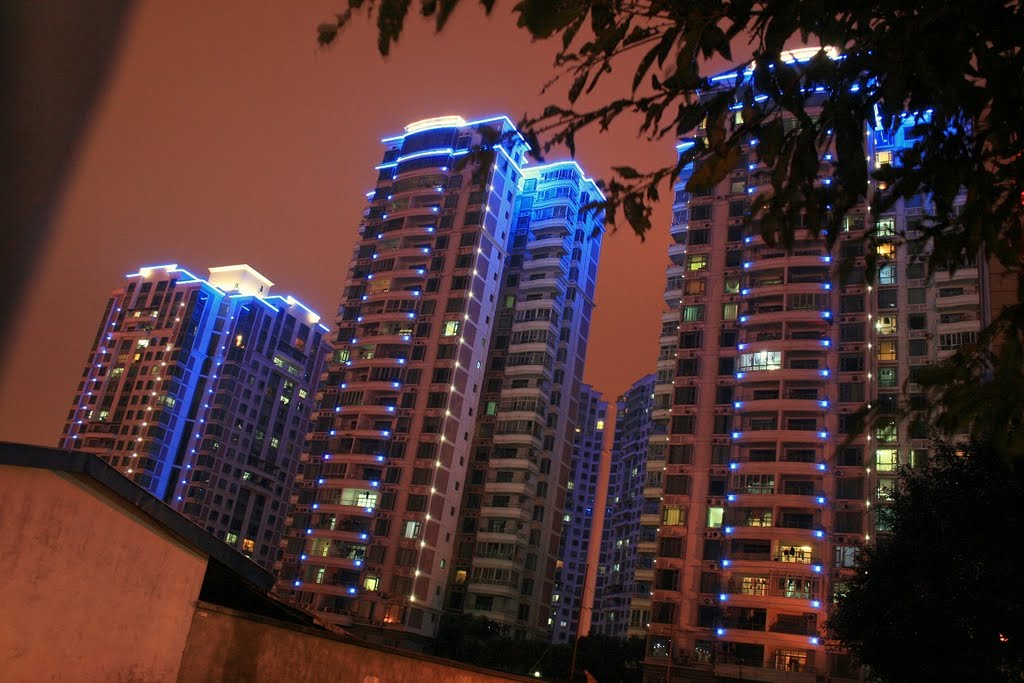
{"x":225,"y":136}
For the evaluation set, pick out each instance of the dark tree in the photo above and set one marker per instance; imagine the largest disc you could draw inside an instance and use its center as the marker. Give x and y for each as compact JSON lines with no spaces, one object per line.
{"x":934,"y":598}
{"x":954,"y":67}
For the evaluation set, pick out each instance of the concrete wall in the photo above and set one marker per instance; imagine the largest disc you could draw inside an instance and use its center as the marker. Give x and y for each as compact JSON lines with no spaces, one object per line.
{"x":228,"y":646}
{"x":89,"y":589}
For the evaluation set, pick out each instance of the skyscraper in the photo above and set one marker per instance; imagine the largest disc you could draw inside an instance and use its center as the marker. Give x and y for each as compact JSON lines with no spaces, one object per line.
{"x":621,"y":597}
{"x":571,"y":570}
{"x":453,"y":312}
{"x":200,"y":391}
{"x":763,"y":501}
{"x":616,"y":588}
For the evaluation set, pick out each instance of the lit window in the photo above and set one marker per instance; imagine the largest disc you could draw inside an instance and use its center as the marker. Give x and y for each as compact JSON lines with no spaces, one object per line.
{"x":371,"y":582}
{"x":883,"y":158}
{"x":231,"y":539}
{"x":732,"y":285}
{"x":248,"y":545}
{"x":887,"y":275}
{"x":887,"y":350}
{"x":674,"y":516}
{"x":715,"y":515}
{"x":886,"y":459}
{"x":697,"y":262}
{"x":450,"y":329}
{"x":730,"y":311}
{"x":761,"y":360}
{"x":886,"y":250}
{"x":694,"y":287}
{"x":693,"y":314}
{"x":412,"y":530}
{"x":885,"y":227}
{"x":886,"y":324}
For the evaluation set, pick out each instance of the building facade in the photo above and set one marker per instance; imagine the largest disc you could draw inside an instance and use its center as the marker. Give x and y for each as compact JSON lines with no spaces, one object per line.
{"x":446,"y":281}
{"x":763,"y":498}
{"x":522,"y":449}
{"x":622,"y":599}
{"x":621,"y":602}
{"x":571,"y":570}
{"x":200,"y":391}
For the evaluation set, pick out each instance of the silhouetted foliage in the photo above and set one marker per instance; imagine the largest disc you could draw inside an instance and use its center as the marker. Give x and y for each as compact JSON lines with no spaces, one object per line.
{"x":933,"y":599}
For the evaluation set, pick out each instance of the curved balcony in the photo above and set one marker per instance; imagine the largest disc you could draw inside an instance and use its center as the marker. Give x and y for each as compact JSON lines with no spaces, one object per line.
{"x":782,"y":404}
{"x":777,"y":258}
{"x":512,"y":536}
{"x":404,"y":338}
{"x":375,"y":362}
{"x":554,"y":263}
{"x":777,"y":314}
{"x":528,"y":464}
{"x":408,"y":251}
{"x":551,"y":281}
{"x":788,"y":288}
{"x":369,"y":409}
{"x":508,"y":513}
{"x":517,"y":440}
{"x":792,"y":374}
{"x":371,"y":384}
{"x":556,"y":237}
{"x":385,"y":316}
{"x":508,"y":589}
{"x":516,"y":488}
{"x":403,"y":271}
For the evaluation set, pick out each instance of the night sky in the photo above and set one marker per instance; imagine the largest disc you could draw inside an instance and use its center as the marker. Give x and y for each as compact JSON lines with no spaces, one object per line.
{"x":225,"y":136}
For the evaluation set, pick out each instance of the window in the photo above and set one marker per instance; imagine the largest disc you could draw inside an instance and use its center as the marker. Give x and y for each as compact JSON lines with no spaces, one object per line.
{"x":732,"y":285}
{"x":887,"y":350}
{"x":693,"y":314}
{"x":885,"y":227}
{"x":715,"y":515}
{"x":886,"y":459}
{"x":451,"y":328}
{"x":694,"y":287}
{"x":730,"y":311}
{"x":761,"y":360}
{"x":887,"y":275}
{"x":883,"y":158}
{"x":698,"y":237}
{"x":886,"y":324}
{"x":673,"y":515}
{"x":887,"y":377}
{"x":954,"y":340}
{"x":697,"y":262}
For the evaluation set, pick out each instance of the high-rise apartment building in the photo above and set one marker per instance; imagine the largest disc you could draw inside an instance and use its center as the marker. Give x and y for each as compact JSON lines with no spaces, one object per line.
{"x":622,"y":601}
{"x":571,"y":570}
{"x":463,"y":318}
{"x":200,"y":391}
{"x":522,"y":448}
{"x":765,"y":355}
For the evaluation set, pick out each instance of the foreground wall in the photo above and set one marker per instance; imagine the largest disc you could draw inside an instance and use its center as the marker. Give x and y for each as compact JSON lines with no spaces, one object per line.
{"x":90,"y":590}
{"x":225,"y":645}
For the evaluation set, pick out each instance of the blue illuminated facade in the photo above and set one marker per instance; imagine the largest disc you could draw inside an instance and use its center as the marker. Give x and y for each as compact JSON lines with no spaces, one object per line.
{"x":461,"y":322}
{"x":763,"y":496}
{"x":199,"y":390}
